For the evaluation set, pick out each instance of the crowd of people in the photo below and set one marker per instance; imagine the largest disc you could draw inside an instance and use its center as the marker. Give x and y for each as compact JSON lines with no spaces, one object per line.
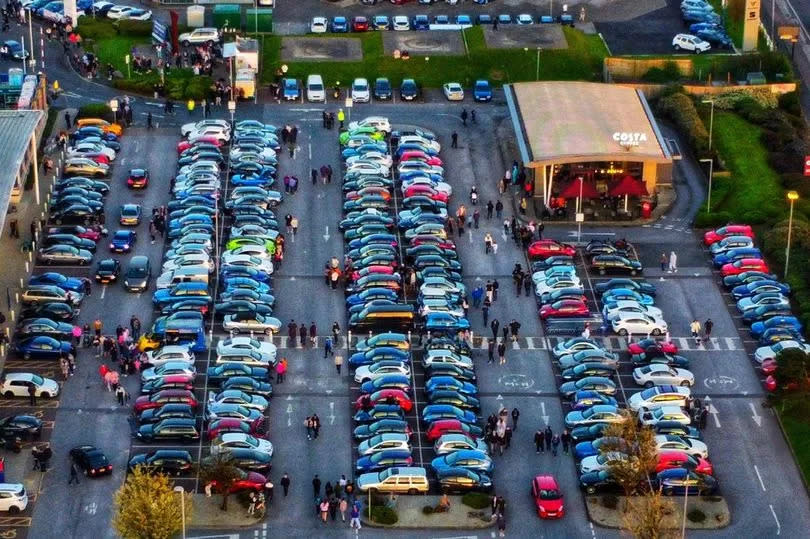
{"x":336,"y":498}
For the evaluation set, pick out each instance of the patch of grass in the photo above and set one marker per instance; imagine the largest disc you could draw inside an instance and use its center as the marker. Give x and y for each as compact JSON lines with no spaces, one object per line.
{"x":696,"y":515}
{"x":114,"y":51}
{"x":476,"y":500}
{"x":582,"y":60}
{"x":797,"y":429}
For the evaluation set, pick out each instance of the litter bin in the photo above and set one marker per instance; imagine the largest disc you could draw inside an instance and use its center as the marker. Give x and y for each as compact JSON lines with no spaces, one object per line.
{"x":195,"y":16}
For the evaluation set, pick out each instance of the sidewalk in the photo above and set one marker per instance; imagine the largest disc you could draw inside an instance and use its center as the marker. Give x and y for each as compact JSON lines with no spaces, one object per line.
{"x":207,"y":513}
{"x":409,"y":511}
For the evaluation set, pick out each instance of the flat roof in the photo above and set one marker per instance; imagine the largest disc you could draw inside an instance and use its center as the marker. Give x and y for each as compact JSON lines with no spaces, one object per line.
{"x":565,"y":122}
{"x":16,"y":128}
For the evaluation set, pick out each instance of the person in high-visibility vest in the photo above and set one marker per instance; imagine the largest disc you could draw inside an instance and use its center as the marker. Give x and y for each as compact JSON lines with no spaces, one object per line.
{"x":190,"y":106}
{"x":341,"y":117}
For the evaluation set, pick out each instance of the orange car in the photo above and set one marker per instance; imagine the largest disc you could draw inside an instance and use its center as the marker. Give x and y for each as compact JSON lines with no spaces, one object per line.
{"x":106,"y":126}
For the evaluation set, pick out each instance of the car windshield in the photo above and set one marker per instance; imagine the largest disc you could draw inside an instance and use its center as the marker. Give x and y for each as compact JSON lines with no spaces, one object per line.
{"x":38,"y":380}
{"x":137,"y":271}
{"x":550,"y":494}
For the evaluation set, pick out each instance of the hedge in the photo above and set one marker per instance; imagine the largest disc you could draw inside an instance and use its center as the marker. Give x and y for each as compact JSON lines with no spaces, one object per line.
{"x":476,"y":500}
{"x":680,"y":110}
{"x":382,"y":515}
{"x":95,"y":110}
{"x":180,"y":87}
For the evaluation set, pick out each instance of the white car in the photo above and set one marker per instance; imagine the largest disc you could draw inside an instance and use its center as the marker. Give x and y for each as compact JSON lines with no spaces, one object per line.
{"x":259,"y":251}
{"x":603,"y":461}
{"x":200,"y":35}
{"x":248,"y":261}
{"x":13,"y":498}
{"x":431,"y":305}
{"x":257,"y":324}
{"x":240,"y":440}
{"x":240,"y":398}
{"x":360,"y":90}
{"x":172,"y":352}
{"x":657,"y":374}
{"x":129,"y":12}
{"x":629,"y":306}
{"x":769,"y":352}
{"x":212,"y":131}
{"x":416,"y":139}
{"x":16,"y":384}
{"x":245,"y":344}
{"x":80,"y":150}
{"x":381,"y":368}
{"x":556,"y":283}
{"x":368,"y":167}
{"x":168,"y":369}
{"x":637,"y":324}
{"x":319,"y":25}
{"x":524,"y":19}
{"x":187,"y":129}
{"x":556,"y":271}
{"x":453,"y":91}
{"x":266,"y":153}
{"x":401,"y":23}
{"x":245,"y":357}
{"x":658,"y":396}
{"x":572,"y":346}
{"x":688,"y":42}
{"x":383,"y":442}
{"x":696,"y":448}
{"x":446,"y":356}
{"x":419,"y":166}
{"x":665,"y":413}
{"x":380,"y":123}
{"x":316,"y":91}
{"x":382,"y":159}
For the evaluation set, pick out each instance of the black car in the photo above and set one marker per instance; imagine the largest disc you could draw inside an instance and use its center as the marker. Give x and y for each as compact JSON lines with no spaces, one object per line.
{"x":171,"y":410}
{"x":382,"y":89}
{"x":54,"y":310}
{"x":408,"y":91}
{"x":91,"y":460}
{"x":242,"y":306}
{"x":31,"y":327}
{"x":615,"y":264}
{"x":77,"y":214}
{"x":107,"y":270}
{"x":641,"y":287}
{"x":225,"y":371}
{"x":170,"y":429}
{"x":169,"y":461}
{"x":24,"y":426}
{"x":136,"y":279}
{"x":251,"y":459}
{"x":84,"y":183}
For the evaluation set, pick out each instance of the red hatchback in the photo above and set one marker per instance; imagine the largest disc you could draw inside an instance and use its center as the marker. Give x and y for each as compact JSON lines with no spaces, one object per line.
{"x":420,"y":156}
{"x":547,"y":497}
{"x":138,"y":178}
{"x":713,"y":236}
{"x":746,"y":264}
{"x":397,"y":396}
{"x":653,"y":347}
{"x":156,"y":400}
{"x":246,"y":481}
{"x":547,"y":248}
{"x":680,"y":459}
{"x":184,"y":145}
{"x":451,"y":426}
{"x":360,"y":24}
{"x":422,"y":239}
{"x":231,"y":424}
{"x":565,"y":308}
{"x":426,"y":190}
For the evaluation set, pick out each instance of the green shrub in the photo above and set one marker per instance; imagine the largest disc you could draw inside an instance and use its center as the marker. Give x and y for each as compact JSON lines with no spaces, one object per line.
{"x":662,"y":75}
{"x":96,"y":29}
{"x":762,"y":97}
{"x":382,"y":515}
{"x":610,"y":501}
{"x":790,"y":103}
{"x":696,"y":515}
{"x":132,"y":28}
{"x":95,"y":110}
{"x":680,"y":110}
{"x":427,"y":510}
{"x":476,"y":500}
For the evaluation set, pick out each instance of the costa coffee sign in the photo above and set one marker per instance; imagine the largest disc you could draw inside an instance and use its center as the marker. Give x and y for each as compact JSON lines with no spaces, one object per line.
{"x":629,"y":139}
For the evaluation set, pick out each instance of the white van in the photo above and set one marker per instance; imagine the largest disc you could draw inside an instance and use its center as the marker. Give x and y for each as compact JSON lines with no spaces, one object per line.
{"x":315,"y":89}
{"x":13,"y":498}
{"x":185,"y":274}
{"x":401,"y":480}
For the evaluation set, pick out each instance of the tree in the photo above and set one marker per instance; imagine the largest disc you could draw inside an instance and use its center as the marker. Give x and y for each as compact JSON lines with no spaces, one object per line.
{"x":220,"y":470}
{"x":638,"y":443}
{"x":793,"y":370}
{"x":648,"y":516}
{"x":146,"y":507}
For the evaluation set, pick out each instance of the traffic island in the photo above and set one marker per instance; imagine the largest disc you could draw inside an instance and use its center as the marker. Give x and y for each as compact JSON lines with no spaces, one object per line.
{"x":702,"y":512}
{"x":208,"y":513}
{"x":420,"y":512}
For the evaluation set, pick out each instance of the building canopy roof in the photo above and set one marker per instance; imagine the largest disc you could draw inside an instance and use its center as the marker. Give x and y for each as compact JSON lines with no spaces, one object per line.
{"x":16,"y":128}
{"x":566,"y":122}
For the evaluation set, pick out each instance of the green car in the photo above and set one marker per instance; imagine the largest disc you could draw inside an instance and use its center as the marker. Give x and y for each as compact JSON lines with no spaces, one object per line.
{"x":369,"y":131}
{"x":251,"y":240}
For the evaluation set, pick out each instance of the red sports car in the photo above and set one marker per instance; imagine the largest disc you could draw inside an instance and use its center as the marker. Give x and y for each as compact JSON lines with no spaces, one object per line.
{"x":138,"y":178}
{"x":547,"y":497}
{"x":156,"y":400}
{"x":547,"y":248}
{"x":360,"y":24}
{"x":184,"y":145}
{"x":746,"y":264}
{"x":384,"y":396}
{"x":92,"y":232}
{"x":430,"y":239}
{"x":379,"y":191}
{"x":651,"y":346}
{"x":246,"y":481}
{"x":451,"y":426}
{"x":420,"y":156}
{"x":713,"y":236}
{"x":231,"y":424}
{"x":426,"y":190}
{"x":680,"y":459}
{"x":565,"y":308}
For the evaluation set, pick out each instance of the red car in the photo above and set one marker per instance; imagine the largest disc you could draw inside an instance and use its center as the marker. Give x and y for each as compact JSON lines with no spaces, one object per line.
{"x":713,"y":236}
{"x":651,"y":346}
{"x":547,"y":497}
{"x":184,"y":145}
{"x":680,"y":459}
{"x":547,"y":248}
{"x":451,"y":426}
{"x":421,"y":239}
{"x":92,"y":232}
{"x":231,"y":424}
{"x":388,"y":270}
{"x":380,"y":397}
{"x":426,"y":190}
{"x":746,"y":264}
{"x":156,"y":400}
{"x":565,"y":308}
{"x":379,"y":191}
{"x":768,"y":367}
{"x":246,"y":481}
{"x":420,"y":156}
{"x":360,"y":24}
{"x":138,"y":178}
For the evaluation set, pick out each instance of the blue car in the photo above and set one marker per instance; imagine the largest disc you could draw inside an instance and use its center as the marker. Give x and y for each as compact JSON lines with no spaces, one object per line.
{"x":180,"y":292}
{"x":379,"y":411}
{"x":621,"y":294}
{"x":384,"y":459}
{"x":362,"y":432}
{"x":260,"y":180}
{"x":591,"y":447}
{"x":716,"y":36}
{"x":472,"y":459}
{"x":246,"y":283}
{"x":371,"y":294}
{"x":340,"y":25}
{"x":790,"y":322}
{"x":90,"y":131}
{"x":584,"y":399}
{"x":43,"y":347}
{"x":53,"y":278}
{"x":193,"y":219}
{"x":435,"y":412}
{"x":679,"y":481}
{"x":122,"y":241}
{"x":448,"y":382}
{"x":440,"y":321}
{"x":420,"y":22}
{"x":766,"y":311}
{"x":482,"y":91}
{"x":372,"y":355}
{"x":699,"y":15}
{"x":736,"y":254}
{"x":387,"y":381}
{"x":774,"y":335}
{"x":464,"y":20}
{"x":759,"y":287}
{"x":290,"y":89}
{"x":244,"y":271}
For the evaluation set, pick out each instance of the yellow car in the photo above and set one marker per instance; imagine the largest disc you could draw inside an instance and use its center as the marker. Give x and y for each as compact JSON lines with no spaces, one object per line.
{"x":85,"y":167}
{"x":148,"y":342}
{"x":106,"y":126}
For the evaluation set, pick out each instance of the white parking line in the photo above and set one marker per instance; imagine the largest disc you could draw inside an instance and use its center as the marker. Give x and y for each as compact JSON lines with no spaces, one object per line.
{"x":761,"y":483}
{"x":778,"y":526}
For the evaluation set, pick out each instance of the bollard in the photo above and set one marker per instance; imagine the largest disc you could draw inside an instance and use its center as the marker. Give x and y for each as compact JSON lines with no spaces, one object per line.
{"x":348,"y":338}
{"x":13,"y":316}
{"x":472,"y":339}
{"x":409,"y":337}
{"x":16,"y":297}
{"x":251,"y":334}
{"x":26,"y":271}
{"x":22,"y":282}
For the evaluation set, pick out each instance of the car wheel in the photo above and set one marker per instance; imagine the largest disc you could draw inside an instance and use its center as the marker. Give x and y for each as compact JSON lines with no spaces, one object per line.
{"x":185,"y":44}
{"x":8,"y":394}
{"x":602,"y":271}
{"x":623,"y":332}
{"x":590,"y":490}
{"x":13,"y":510}
{"x":27,"y":355}
{"x":685,"y":383}
{"x":58,"y":221}
{"x":649,"y":385}
{"x":677,"y":47}
{"x":668,"y":491}
{"x":697,"y":51}
{"x":633,"y":272}
{"x":656,"y":332}
{"x":412,"y":491}
{"x":235,"y":331}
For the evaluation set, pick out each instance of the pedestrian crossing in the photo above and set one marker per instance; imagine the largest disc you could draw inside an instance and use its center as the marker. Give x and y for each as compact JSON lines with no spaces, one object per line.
{"x":612,"y":343}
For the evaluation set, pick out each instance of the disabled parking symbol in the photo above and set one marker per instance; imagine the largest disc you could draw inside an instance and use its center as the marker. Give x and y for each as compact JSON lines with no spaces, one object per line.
{"x":516,"y":381}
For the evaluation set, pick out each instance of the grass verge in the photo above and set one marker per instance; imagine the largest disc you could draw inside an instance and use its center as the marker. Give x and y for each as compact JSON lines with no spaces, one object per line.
{"x":797,"y":429}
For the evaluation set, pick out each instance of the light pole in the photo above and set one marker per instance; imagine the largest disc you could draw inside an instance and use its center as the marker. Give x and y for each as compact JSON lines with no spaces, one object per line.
{"x":114,"y":108}
{"x":33,"y":60}
{"x":181,"y":491}
{"x":711,"y":171}
{"x":793,"y":196}
{"x":579,"y":210}
{"x":232,"y":110}
{"x":711,"y":120}
{"x":537,"y":75}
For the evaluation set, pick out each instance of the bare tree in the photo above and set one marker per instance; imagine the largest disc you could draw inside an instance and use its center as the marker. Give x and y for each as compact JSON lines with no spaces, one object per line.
{"x":638,"y":443}
{"x":649,"y":516}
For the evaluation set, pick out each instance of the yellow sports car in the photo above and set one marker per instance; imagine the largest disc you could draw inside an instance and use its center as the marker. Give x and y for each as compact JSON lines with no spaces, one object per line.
{"x":85,"y":167}
{"x":106,"y":126}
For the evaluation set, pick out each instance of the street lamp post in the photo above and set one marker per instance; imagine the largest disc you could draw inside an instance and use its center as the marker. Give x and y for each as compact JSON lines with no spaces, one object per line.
{"x":537,"y":74}
{"x":711,"y":172}
{"x":579,"y":210}
{"x":232,"y":110}
{"x":114,"y":108}
{"x":181,"y":491}
{"x":711,"y":120}
{"x":793,"y":196}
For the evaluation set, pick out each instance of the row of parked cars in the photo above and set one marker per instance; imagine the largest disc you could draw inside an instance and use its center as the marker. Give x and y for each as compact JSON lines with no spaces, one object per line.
{"x":762,"y":299}
{"x":54,"y":10}
{"x":340,"y":24}
{"x":362,"y":90}
{"x":706,"y":28}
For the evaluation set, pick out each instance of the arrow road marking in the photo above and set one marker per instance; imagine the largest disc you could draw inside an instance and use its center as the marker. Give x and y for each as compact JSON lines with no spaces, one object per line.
{"x":543,"y":410}
{"x":714,"y":412}
{"x":326,"y":234}
{"x":289,"y":414}
{"x":756,"y":417}
{"x":331,"y":413}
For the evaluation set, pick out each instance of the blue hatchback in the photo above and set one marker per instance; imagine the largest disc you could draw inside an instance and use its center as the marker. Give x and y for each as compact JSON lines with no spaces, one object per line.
{"x":482,"y":91}
{"x":122,"y":241}
{"x":384,"y":459}
{"x":790,"y":322}
{"x":43,"y":347}
{"x":57,"y":279}
{"x":340,"y":25}
{"x":736,"y":254}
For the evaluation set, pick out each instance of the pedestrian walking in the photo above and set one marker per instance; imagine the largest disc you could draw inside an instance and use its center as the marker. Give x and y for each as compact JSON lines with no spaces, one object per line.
{"x":707,"y":328}
{"x":664,"y":261}
{"x":494,"y":326}
{"x":565,"y":438}
{"x":472,"y":116}
{"x":281,"y":370}
{"x":695,"y":329}
{"x":355,"y":517}
{"x":338,"y":363}
{"x":502,"y":353}
{"x":704,"y":416}
{"x":477,"y":294}
{"x":490,"y":208}
{"x":313,"y":334}
{"x":316,"y":486}
{"x":285,"y":483}
{"x":499,"y":209}
{"x":476,"y":217}
{"x":74,"y":474}
{"x":122,"y":395}
{"x":316,"y":427}
{"x":454,"y":140}
{"x":495,"y":285}
{"x":548,"y":435}
{"x":67,"y":119}
{"x":327,"y":348}
{"x":673,"y":262}
{"x":527,"y":284}
{"x":515,"y":417}
{"x":324,"y":508}
{"x":490,"y":350}
{"x":149,"y":120}
{"x":538,"y":441}
{"x":135,"y":326}
{"x":464,"y":117}
{"x":336,"y":333}
{"x":488,"y":241}
{"x":555,"y":443}
{"x":501,"y":525}
{"x":485,"y":313}
{"x":32,"y":394}
{"x":343,"y":507}
{"x":494,"y":506}
{"x":507,"y":437}
{"x":341,"y":117}
{"x":514,"y":328}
